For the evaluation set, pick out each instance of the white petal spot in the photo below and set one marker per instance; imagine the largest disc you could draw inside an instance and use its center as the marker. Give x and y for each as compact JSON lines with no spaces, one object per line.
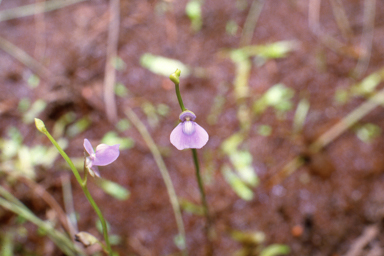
{"x":188,"y":127}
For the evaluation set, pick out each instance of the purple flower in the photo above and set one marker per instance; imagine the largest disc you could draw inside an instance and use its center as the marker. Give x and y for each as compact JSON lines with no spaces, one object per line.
{"x":104,"y":155}
{"x":188,"y":134}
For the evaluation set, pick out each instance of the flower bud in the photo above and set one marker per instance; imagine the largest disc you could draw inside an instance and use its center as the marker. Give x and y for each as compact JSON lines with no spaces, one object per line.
{"x":40,"y":125}
{"x":175,"y":76}
{"x":86,"y":239}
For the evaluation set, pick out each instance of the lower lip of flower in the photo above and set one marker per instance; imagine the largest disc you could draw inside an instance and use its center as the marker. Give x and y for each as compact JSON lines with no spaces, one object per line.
{"x":188,"y":127}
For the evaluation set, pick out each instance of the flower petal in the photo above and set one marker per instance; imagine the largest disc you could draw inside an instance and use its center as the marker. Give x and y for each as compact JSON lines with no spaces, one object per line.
{"x":187,"y":114}
{"x":106,"y":154}
{"x":95,"y":171}
{"x":88,"y":147}
{"x":182,"y":141}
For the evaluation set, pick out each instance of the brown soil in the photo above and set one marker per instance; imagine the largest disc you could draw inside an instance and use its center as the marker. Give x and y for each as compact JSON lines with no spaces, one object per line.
{"x":320,"y":209}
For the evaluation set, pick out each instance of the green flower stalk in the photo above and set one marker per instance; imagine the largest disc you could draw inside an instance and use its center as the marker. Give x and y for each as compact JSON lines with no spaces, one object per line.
{"x":83,"y":182}
{"x":188,"y":134}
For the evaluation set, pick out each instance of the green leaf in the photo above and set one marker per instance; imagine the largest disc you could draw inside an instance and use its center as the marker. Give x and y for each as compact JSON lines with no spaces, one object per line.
{"x":24,"y":104}
{"x":248,"y":237}
{"x":78,"y":127}
{"x":99,"y":226}
{"x":367,"y":85}
{"x":121,"y":90}
{"x":231,"y":28}
{"x":190,"y":207}
{"x":118,"y":63}
{"x":341,"y":96}
{"x":162,"y":109}
{"x":162,"y":65}
{"x":61,"y":124}
{"x":231,"y":143}
{"x":242,"y":161}
{"x":115,"y":239}
{"x":123,"y":125}
{"x":278,"y":96}
{"x":193,"y":11}
{"x":264,"y":130}
{"x":271,"y":51}
{"x":237,"y":184}
{"x":113,"y":189}
{"x":150,"y":111}
{"x":368,"y":132}
{"x":111,"y":138}
{"x":33,"y":81}
{"x":275,"y":249}
{"x":179,"y":241}
{"x":37,"y":107}
{"x":7,"y":244}
{"x":300,"y":115}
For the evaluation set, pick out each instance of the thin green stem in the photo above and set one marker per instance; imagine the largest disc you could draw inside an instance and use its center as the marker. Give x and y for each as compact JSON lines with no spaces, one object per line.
{"x":201,"y":188}
{"x":179,"y":98}
{"x":66,"y":158}
{"x":175,"y":78}
{"x":83,"y":183}
{"x":100,"y":215}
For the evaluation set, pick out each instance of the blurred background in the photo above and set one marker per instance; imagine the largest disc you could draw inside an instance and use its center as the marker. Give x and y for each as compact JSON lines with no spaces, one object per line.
{"x":289,"y":91}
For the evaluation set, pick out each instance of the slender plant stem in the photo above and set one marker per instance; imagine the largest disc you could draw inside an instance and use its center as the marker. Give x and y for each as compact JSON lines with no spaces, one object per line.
{"x":201,"y":188}
{"x":83,"y":184}
{"x":100,"y":215}
{"x":179,"y":97}
{"x":175,"y":79}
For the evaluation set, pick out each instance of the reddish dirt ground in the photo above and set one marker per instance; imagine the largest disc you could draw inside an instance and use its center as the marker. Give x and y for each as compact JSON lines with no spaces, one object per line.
{"x":320,"y":209}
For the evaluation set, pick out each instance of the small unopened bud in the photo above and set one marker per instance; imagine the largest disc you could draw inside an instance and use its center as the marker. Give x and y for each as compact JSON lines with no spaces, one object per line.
{"x":175,"y":76}
{"x":40,"y":125}
{"x":86,"y":239}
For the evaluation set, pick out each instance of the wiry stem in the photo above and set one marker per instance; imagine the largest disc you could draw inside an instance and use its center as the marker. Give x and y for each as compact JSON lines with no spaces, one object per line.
{"x":201,"y":188}
{"x":83,"y":183}
{"x":175,"y":79}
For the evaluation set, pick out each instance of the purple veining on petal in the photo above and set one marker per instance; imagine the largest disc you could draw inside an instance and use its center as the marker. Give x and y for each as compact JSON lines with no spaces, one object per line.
{"x":88,"y":147}
{"x":187,"y":114}
{"x":106,"y":154}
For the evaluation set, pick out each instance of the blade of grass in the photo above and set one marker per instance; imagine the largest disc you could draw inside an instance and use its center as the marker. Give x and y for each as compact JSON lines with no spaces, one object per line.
{"x":326,"y":138}
{"x":367,"y":38}
{"x":250,"y":22}
{"x":30,"y":9}
{"x":110,"y":72}
{"x":50,"y":200}
{"x":8,"y":201}
{"x":68,"y":201}
{"x":25,"y":58}
{"x":163,"y":170}
{"x":341,"y":19}
{"x":329,"y":41}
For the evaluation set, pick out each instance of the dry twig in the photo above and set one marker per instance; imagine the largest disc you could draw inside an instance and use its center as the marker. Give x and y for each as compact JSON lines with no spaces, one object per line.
{"x":110,"y":72}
